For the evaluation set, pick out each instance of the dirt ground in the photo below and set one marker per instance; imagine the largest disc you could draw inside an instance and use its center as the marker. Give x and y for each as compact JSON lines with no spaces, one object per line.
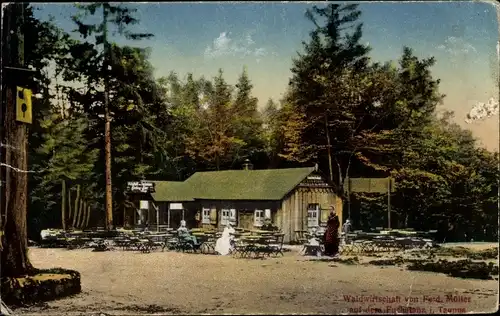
{"x":132,"y":283}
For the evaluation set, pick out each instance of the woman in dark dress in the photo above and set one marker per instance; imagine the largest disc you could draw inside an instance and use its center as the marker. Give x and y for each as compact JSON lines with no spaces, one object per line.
{"x":331,"y":234}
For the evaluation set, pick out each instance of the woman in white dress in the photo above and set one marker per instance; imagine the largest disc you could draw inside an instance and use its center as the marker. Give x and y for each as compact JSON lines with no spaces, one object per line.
{"x":223,"y":244}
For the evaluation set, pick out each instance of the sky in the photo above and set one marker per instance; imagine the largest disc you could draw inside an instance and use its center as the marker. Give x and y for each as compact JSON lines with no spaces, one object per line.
{"x":264,"y":37}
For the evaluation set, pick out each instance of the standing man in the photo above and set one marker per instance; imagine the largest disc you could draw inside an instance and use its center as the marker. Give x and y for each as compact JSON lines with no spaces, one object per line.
{"x":331,"y":235}
{"x":346,"y":229}
{"x":197,"y":218}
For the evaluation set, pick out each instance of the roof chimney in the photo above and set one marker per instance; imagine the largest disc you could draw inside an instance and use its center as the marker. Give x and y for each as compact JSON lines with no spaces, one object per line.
{"x":247,"y":165}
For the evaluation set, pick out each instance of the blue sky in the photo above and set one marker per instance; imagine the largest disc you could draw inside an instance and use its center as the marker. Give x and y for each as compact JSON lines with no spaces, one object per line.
{"x":200,"y":38}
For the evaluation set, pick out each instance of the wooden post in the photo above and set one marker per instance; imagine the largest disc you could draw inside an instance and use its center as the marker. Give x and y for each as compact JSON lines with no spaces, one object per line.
{"x":135,"y":217}
{"x":389,"y":203}
{"x":168,"y":215}
{"x":349,"y":198}
{"x":157,"y":217}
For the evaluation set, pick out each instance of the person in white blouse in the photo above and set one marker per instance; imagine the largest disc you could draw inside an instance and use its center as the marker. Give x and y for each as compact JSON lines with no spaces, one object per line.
{"x":224,"y":243}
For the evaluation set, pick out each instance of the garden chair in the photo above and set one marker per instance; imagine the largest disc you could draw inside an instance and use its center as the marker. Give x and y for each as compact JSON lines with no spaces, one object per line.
{"x":276,"y":247}
{"x":186,"y":246}
{"x":240,"y":248}
{"x":208,"y":247}
{"x":252,"y":245}
{"x":131,"y":244}
{"x":347,"y":249}
{"x":146,"y":246}
{"x":171,"y":243}
{"x":263,"y":246}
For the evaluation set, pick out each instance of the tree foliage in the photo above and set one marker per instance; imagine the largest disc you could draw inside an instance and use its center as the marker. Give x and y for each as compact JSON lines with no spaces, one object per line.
{"x":357,"y":118}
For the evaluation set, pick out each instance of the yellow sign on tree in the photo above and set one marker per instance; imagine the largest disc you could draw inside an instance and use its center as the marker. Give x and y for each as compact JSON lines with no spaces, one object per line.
{"x":23,"y":105}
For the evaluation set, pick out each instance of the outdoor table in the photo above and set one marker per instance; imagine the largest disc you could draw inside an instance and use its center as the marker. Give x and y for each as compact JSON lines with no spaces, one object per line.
{"x":157,"y":237}
{"x":198,"y":234}
{"x":404,"y":243}
{"x":399,"y":232}
{"x":256,"y":244}
{"x":384,"y":243}
{"x":317,"y":236}
{"x":237,"y":234}
{"x":258,"y":231}
{"x":211,"y":235}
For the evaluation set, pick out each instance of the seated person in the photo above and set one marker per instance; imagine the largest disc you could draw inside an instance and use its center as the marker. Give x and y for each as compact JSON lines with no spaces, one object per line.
{"x":315,"y":236}
{"x":268,"y":225}
{"x":185,"y":236}
{"x":224,"y":244}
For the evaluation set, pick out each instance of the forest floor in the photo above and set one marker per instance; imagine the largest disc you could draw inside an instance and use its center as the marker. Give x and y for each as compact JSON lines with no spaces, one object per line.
{"x":132,"y":283}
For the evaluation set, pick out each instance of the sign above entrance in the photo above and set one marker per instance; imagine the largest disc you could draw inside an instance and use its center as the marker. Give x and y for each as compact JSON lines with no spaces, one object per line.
{"x":140,"y":187}
{"x":144,"y":205}
{"x":314,"y":178}
{"x":175,"y":206}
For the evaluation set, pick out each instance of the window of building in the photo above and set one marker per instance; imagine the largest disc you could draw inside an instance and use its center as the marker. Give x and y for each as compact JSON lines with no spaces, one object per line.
{"x":225,"y":217}
{"x":313,"y":215}
{"x":232,"y":216}
{"x":206,"y":216}
{"x":258,"y":218}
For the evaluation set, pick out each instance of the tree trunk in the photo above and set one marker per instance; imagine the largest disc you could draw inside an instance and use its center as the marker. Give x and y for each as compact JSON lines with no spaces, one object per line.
{"x":76,"y":214}
{"x":81,"y":216}
{"x":329,"y":149}
{"x":83,"y":206}
{"x":107,"y":129}
{"x":70,"y":211}
{"x":14,"y":246}
{"x":63,"y":205}
{"x":88,"y":216}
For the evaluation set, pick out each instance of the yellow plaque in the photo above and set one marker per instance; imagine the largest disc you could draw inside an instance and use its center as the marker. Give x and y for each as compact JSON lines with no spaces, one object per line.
{"x":23,"y":105}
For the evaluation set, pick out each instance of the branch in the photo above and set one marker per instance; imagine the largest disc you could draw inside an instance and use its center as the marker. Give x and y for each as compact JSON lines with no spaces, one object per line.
{"x":8,"y":146}
{"x":20,"y":170}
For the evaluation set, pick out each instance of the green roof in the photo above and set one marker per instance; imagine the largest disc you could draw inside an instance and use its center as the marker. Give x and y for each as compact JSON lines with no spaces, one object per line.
{"x":266,"y":184}
{"x":172,"y":191}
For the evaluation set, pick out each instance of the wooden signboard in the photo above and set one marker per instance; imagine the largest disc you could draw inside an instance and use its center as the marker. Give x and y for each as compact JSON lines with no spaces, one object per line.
{"x":141,"y":187}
